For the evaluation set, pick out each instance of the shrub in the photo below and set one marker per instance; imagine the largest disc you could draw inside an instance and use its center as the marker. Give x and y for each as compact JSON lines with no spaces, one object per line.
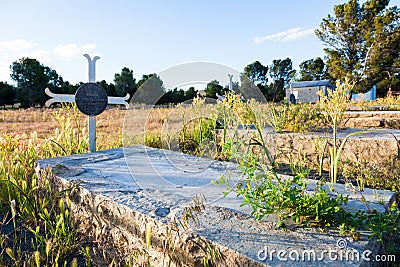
{"x":299,"y":118}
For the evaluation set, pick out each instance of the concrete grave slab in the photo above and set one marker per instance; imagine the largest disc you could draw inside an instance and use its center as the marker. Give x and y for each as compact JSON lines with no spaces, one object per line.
{"x":123,"y":191}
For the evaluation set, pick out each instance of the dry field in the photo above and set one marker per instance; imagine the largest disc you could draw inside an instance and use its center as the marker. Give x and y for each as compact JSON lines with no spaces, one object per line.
{"x":44,"y":122}
{"x":110,"y":123}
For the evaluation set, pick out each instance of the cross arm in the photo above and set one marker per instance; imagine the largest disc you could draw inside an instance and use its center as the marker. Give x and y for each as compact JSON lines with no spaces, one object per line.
{"x":112,"y":100}
{"x":58,"y":98}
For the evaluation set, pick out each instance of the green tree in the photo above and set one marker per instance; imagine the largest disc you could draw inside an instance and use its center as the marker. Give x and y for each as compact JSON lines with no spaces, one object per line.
{"x":257,"y":73}
{"x":66,"y":88}
{"x":145,"y":77}
{"x":213,"y":88}
{"x":362,"y":42}
{"x":190,"y":93}
{"x":150,"y":90}
{"x":7,"y":94}
{"x":178,"y":96}
{"x":32,"y":78}
{"x":282,"y":73}
{"x":125,"y":83}
{"x":109,"y":88}
{"x":249,"y":90}
{"x":313,"y":70}
{"x":393,"y":81}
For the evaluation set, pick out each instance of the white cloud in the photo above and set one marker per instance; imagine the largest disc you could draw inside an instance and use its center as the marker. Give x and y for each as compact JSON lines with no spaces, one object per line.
{"x":285,"y":36}
{"x":13,"y":50}
{"x":66,"y":52}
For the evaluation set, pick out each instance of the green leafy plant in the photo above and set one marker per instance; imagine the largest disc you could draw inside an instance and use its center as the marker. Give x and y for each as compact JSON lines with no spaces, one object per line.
{"x":381,"y":225}
{"x":333,"y":105}
{"x":300,"y":167}
{"x":267,"y":192}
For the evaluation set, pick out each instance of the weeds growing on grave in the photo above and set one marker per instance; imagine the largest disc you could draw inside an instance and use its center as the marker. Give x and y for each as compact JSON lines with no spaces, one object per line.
{"x":36,"y":226}
{"x":376,"y":175}
{"x":268,"y":193}
{"x":333,"y":105}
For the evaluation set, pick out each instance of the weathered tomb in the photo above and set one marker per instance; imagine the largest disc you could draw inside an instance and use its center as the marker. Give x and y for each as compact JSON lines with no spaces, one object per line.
{"x":122,"y":192}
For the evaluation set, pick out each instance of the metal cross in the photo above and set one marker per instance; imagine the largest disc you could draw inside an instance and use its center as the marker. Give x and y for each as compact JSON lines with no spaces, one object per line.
{"x":58,"y":98}
{"x":230,"y":82}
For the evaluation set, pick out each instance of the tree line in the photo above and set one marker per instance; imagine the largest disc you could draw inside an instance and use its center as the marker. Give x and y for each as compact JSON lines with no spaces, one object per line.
{"x":362,"y":44}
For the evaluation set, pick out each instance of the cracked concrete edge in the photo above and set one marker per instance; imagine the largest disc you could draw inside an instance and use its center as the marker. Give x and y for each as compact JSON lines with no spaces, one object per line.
{"x":123,"y":231}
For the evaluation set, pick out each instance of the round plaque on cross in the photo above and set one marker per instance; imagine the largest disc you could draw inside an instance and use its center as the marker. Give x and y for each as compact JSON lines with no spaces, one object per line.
{"x":91,"y":99}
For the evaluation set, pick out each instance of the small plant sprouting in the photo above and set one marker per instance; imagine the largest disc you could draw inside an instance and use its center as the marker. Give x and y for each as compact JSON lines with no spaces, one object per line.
{"x":300,"y":167}
{"x":320,"y":146}
{"x":333,"y":104}
{"x":190,"y":212}
{"x":148,"y":243}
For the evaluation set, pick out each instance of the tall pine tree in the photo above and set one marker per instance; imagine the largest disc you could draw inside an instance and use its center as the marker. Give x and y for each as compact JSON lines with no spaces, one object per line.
{"x":363,"y":43}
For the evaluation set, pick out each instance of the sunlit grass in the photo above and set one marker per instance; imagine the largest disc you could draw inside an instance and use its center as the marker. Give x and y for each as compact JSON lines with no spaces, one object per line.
{"x":31,"y":210}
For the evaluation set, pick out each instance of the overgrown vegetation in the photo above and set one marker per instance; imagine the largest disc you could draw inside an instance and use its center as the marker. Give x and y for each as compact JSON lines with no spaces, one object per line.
{"x":36,"y":225}
{"x":299,"y":118}
{"x":268,"y":193}
{"x":31,"y":210}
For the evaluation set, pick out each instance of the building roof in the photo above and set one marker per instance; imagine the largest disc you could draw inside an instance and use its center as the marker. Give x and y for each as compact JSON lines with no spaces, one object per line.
{"x":310,"y":84}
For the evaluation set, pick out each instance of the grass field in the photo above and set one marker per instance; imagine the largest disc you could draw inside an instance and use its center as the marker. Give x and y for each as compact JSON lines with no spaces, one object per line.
{"x":44,"y":122}
{"x":109,"y":124}
{"x":31,"y":210}
{"x":35,"y":223}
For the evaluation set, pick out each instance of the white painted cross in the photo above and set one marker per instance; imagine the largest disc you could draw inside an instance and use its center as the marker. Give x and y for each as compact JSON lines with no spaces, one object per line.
{"x":58,"y":98}
{"x":230,"y":82}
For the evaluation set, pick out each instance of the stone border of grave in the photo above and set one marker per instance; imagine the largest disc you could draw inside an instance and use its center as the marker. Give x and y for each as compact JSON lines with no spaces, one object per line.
{"x":123,"y":231}
{"x":367,"y":147}
{"x":99,"y":213}
{"x":372,"y":119}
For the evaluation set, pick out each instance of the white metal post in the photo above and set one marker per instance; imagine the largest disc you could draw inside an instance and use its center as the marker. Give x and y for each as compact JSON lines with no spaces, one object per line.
{"x":92,"y":133}
{"x":230,"y":82}
{"x":92,"y":119}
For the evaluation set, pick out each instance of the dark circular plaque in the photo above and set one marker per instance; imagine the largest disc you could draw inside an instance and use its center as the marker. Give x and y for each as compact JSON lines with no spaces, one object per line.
{"x":91,"y":99}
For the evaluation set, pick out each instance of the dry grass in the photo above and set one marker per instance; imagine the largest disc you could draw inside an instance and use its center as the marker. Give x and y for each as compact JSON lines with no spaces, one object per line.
{"x":110,"y":123}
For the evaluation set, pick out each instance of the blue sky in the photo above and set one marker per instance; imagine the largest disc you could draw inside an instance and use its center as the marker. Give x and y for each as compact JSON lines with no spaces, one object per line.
{"x":150,"y":36}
